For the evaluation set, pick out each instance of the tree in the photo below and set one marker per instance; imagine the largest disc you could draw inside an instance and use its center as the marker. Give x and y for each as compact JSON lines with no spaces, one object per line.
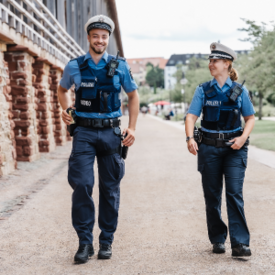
{"x":154,"y":76}
{"x":196,"y":74}
{"x":258,"y":68}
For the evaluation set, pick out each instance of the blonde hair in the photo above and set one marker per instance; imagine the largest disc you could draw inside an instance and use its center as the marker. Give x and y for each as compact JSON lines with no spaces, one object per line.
{"x":233,"y":74}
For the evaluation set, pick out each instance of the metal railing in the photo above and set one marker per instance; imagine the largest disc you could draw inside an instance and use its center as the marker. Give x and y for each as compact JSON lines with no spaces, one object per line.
{"x":32,"y":19}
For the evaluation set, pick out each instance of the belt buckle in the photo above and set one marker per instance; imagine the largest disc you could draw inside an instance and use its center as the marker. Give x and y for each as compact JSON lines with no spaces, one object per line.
{"x":97,"y":123}
{"x":105,"y":122}
{"x":220,"y":140}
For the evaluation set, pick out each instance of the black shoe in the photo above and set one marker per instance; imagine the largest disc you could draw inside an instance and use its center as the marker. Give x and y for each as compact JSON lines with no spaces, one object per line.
{"x":105,"y":251}
{"x":83,"y":253}
{"x":218,"y":248}
{"x":241,"y":250}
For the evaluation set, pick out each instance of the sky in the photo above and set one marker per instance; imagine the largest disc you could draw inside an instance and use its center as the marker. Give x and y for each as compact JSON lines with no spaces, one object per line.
{"x":160,"y":28}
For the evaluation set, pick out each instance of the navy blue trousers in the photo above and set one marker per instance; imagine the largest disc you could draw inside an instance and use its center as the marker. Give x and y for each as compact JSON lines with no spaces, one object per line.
{"x":111,"y":169}
{"x":214,"y":164}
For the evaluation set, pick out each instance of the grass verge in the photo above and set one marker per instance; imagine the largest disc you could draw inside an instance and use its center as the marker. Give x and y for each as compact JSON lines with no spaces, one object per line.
{"x":263,"y":135}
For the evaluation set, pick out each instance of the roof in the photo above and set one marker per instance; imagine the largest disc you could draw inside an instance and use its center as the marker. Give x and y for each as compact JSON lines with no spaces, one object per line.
{"x":143,"y":61}
{"x":182,"y":58}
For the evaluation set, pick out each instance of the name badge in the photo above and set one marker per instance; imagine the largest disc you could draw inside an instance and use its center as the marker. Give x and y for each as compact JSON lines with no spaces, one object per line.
{"x":87,"y":84}
{"x":212,"y":103}
{"x":86,"y":102}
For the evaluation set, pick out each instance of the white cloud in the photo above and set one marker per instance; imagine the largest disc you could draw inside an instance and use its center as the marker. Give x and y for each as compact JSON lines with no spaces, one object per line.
{"x":163,"y":27}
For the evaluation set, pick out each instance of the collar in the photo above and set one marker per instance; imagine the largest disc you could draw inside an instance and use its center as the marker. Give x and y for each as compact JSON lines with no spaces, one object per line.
{"x":104,"y":57}
{"x":228,"y":82}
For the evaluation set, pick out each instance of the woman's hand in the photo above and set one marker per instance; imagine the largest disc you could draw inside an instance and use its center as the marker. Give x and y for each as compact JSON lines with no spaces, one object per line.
{"x":130,"y":139}
{"x":238,"y":142}
{"x":192,"y":146}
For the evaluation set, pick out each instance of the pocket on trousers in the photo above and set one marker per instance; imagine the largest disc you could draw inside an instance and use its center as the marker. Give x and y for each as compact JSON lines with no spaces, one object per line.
{"x":244,"y":162}
{"x":200,"y":168}
{"x":121,"y":166}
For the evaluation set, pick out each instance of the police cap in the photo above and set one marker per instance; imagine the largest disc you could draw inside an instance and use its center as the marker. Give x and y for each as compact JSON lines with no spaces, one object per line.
{"x":100,"y":22}
{"x":220,"y":51}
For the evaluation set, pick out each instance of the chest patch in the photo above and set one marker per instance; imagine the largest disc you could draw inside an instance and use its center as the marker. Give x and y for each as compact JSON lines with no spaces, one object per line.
{"x":85,"y":102}
{"x":87,"y":84}
{"x":212,"y":103}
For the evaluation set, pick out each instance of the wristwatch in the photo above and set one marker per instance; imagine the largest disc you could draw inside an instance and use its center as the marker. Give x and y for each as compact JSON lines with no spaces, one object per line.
{"x":188,"y":138}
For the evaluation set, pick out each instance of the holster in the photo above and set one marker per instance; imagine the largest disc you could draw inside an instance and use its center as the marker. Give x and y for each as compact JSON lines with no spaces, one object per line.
{"x":124,"y":152}
{"x":71,"y":128}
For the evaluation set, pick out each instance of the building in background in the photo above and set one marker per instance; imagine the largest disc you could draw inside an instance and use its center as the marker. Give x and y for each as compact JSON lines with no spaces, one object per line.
{"x":138,"y":66}
{"x":171,"y":67}
{"x":182,"y":59}
{"x":37,"y":39}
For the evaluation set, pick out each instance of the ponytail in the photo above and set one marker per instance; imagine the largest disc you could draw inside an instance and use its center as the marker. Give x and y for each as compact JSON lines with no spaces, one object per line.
{"x":233,"y":74}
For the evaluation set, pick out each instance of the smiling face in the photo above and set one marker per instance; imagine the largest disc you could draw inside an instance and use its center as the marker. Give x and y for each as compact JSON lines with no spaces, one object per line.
{"x":218,"y":67}
{"x":99,"y":40}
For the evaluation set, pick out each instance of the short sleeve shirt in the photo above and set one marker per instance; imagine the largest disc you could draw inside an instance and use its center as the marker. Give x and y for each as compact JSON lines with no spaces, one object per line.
{"x":244,"y":102}
{"x":71,"y":76}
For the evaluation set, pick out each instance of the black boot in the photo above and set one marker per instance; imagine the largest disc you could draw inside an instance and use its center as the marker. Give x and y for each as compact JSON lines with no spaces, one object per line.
{"x":218,"y":248}
{"x":105,"y":251}
{"x":83,"y":253}
{"x":241,"y":250}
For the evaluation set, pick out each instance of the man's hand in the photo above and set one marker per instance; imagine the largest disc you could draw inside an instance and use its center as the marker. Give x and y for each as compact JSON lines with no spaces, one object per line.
{"x":238,"y":142}
{"x":130,"y":139}
{"x":66,"y":117}
{"x":192,"y":146}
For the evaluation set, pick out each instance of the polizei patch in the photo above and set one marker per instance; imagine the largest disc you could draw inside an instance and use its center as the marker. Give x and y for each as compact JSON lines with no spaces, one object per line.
{"x":86,"y":102}
{"x":87,"y":84}
{"x":212,"y":103}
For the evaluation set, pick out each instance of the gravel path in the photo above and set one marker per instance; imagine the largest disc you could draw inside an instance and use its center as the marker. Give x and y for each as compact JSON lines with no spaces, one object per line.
{"x":162,"y":227}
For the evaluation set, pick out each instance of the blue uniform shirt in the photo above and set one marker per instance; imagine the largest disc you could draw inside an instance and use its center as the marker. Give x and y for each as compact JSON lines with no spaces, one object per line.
{"x":244,"y":102}
{"x":71,"y":75}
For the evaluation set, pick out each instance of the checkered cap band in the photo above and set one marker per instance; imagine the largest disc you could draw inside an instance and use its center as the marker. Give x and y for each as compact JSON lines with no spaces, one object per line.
{"x":99,"y":25}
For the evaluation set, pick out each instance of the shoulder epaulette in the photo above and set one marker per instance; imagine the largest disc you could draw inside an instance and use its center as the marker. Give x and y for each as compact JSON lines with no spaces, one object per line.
{"x":77,"y":58}
{"x":204,"y":84}
{"x":122,"y":58}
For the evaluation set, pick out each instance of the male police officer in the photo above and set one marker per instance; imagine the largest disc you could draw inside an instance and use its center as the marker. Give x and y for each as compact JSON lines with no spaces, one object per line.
{"x":98,"y":78}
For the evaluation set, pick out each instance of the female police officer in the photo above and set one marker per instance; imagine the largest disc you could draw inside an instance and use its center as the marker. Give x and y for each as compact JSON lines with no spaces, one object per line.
{"x":223,"y":148}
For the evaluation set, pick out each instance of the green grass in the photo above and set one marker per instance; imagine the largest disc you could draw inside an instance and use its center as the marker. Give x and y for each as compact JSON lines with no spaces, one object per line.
{"x":263,"y":135}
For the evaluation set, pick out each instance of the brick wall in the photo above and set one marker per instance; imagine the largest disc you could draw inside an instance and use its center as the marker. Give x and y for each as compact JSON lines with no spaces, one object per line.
{"x":23,"y":105}
{"x":60,"y":132}
{"x":7,"y":142}
{"x":44,"y":114}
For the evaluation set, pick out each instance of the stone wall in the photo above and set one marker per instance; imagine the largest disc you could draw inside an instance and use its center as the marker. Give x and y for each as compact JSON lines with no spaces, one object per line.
{"x":7,"y":142}
{"x":23,"y":103}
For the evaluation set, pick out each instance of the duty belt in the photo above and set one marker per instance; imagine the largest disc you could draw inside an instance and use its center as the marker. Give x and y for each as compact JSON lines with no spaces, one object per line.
{"x":221,"y":139}
{"x":97,"y":122}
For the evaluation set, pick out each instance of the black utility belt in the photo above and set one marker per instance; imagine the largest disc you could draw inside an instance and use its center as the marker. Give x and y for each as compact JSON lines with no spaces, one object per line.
{"x":98,"y":122}
{"x":222,"y":135}
{"x":221,"y":139}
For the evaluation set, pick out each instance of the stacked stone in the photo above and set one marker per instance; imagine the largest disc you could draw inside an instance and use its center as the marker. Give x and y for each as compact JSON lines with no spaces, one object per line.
{"x":60,"y":133}
{"x":23,"y":103}
{"x":44,"y":112}
{"x":7,"y":141}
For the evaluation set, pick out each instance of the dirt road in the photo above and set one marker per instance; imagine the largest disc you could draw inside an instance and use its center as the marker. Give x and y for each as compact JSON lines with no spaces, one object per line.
{"x":162,"y":226}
